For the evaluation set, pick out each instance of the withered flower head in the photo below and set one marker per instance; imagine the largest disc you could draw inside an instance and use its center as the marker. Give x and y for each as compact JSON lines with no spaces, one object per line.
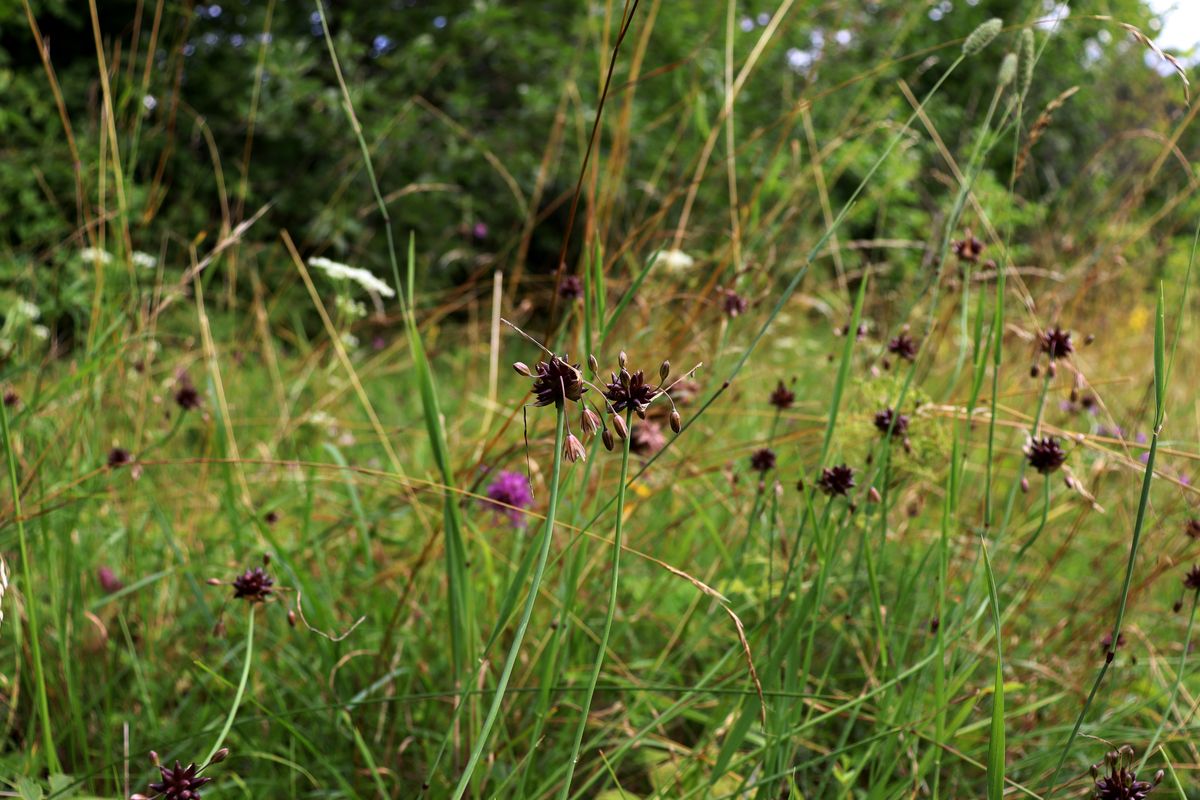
{"x":1120,"y":782}
{"x":570,"y":288}
{"x":647,"y":438}
{"x":1045,"y":454}
{"x":783,"y":397}
{"x":1192,"y":579}
{"x":1056,"y":343}
{"x":883,"y":423}
{"x":763,"y":460}
{"x":837,"y":480}
{"x":1192,"y":528}
{"x":186,"y":395}
{"x":179,"y":783}
{"x":118,"y":457}
{"x":253,"y":585}
{"x":968,"y":248}
{"x":733,"y":303}
{"x":903,"y":346}
{"x":627,"y":391}
{"x":557,"y":381}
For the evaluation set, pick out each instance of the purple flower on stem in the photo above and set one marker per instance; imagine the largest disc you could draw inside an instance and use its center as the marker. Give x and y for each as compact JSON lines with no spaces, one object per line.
{"x":509,"y":494}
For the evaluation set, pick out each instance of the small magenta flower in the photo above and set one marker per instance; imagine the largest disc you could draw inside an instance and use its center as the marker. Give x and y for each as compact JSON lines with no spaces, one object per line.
{"x":509,"y":494}
{"x":108,"y":580}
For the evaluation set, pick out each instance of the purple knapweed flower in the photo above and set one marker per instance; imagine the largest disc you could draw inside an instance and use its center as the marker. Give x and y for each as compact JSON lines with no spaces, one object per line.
{"x":509,"y":494}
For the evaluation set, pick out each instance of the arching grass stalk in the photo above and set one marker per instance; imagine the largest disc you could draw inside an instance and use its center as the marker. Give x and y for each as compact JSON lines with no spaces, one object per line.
{"x":1187,"y":643}
{"x":522,"y":625}
{"x":241,"y":689}
{"x":35,"y":631}
{"x":1160,"y":389}
{"x":608,"y":616}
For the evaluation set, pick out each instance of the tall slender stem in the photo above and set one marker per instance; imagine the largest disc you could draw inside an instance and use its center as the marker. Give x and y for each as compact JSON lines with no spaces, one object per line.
{"x":241,"y":689}
{"x":35,"y":631}
{"x":523,"y":625}
{"x":608,"y":616}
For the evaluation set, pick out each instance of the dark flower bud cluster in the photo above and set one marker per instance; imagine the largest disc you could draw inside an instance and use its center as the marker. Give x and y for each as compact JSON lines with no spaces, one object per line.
{"x":888,"y":420}
{"x":903,"y":346}
{"x":732,"y":303}
{"x":1116,"y":780}
{"x":968,"y":248}
{"x":763,"y":460}
{"x":1045,"y":454}
{"x":1056,"y":343}
{"x":187,"y":397}
{"x":180,"y":782}
{"x":783,"y":397}
{"x":836,"y":481}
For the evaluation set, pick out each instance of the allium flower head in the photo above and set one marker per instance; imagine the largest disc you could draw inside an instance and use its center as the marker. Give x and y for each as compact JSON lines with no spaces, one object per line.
{"x":763,"y":460}
{"x":626,"y":391}
{"x":179,"y":783}
{"x":1045,"y":454}
{"x":509,"y":494}
{"x":1056,"y":343}
{"x":732,"y":303}
{"x":1192,"y":528}
{"x":253,"y":585}
{"x":884,"y":423}
{"x":570,"y":288}
{"x":903,"y":346}
{"x":837,"y":480}
{"x":1116,"y":780}
{"x":968,"y":248}
{"x":1192,"y":579}
{"x":556,"y":381}
{"x":118,"y":457}
{"x":186,"y":395}
{"x":783,"y":397}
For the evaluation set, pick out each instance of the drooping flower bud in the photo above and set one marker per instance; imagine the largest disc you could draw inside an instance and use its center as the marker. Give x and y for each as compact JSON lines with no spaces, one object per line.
{"x":621,"y":428}
{"x":522,"y":369}
{"x":573,"y":450}
{"x":676,"y":422}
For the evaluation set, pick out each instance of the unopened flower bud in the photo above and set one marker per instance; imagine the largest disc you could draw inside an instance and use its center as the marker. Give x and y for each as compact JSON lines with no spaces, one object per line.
{"x":1025,"y":485}
{"x":619,"y":425}
{"x":621,"y":359}
{"x":676,"y":422}
{"x":522,"y":369}
{"x":154,"y":758}
{"x":593,"y":365}
{"x":607,"y":438}
{"x":291,"y":618}
{"x":215,"y":581}
{"x":219,"y":756}
{"x":664,"y":370}
{"x":873,"y":495}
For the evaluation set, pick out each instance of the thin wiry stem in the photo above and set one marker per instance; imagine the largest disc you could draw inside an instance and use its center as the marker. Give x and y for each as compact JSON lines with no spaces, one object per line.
{"x":610,"y":613}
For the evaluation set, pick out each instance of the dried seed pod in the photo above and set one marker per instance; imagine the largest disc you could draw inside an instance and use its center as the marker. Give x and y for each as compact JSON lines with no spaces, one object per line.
{"x":522,"y":368}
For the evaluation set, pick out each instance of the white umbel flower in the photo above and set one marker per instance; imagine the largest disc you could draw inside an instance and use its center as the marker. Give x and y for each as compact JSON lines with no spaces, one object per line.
{"x":143,"y":260}
{"x":362,"y":277}
{"x":96,"y":254}
{"x":674,"y":260}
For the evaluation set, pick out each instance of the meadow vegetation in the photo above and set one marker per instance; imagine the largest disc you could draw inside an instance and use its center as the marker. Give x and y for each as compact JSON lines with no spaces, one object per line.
{"x":622,"y":400}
